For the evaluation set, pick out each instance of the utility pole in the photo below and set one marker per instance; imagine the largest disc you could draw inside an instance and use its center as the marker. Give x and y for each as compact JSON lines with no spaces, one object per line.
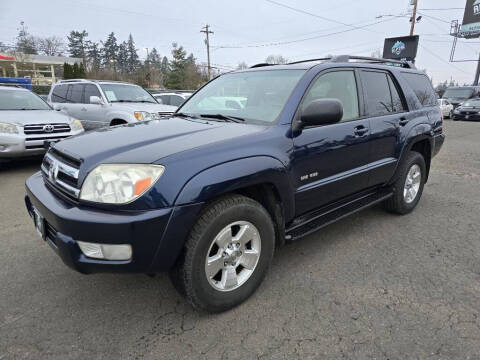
{"x":207,"y":32}
{"x":414,"y":17}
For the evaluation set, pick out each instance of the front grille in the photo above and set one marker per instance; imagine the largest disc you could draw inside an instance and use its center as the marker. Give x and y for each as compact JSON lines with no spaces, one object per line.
{"x":165,"y":114}
{"x":38,"y":134}
{"x":45,"y":128}
{"x":50,"y":232}
{"x":60,"y":173}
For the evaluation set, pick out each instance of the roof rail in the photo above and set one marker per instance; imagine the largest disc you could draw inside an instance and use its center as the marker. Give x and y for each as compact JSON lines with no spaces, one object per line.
{"x":261,"y":65}
{"x":73,"y":80}
{"x":347,"y":58}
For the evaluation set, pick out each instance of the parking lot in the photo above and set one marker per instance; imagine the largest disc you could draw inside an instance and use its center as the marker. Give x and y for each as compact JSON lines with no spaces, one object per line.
{"x":374,"y":285}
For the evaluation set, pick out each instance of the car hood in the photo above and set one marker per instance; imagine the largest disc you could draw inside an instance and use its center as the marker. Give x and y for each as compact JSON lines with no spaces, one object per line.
{"x":149,"y":141}
{"x":145,"y":107}
{"x":25,"y":117}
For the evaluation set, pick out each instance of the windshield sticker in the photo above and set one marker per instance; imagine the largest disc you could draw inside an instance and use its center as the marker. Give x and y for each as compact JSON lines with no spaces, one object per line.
{"x":110,"y":95}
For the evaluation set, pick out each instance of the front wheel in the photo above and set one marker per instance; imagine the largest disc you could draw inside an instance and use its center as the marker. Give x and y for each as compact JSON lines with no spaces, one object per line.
{"x":227,"y":254}
{"x":408,"y":188}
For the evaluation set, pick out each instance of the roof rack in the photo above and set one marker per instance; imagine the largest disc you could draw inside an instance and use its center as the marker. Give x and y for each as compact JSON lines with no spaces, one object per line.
{"x":261,"y":65}
{"x":347,"y":58}
{"x":92,"y":80}
{"x":73,"y":80}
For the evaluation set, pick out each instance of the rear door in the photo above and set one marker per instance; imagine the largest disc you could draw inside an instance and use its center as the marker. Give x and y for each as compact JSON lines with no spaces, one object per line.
{"x":329,"y":162}
{"x":385,"y":106}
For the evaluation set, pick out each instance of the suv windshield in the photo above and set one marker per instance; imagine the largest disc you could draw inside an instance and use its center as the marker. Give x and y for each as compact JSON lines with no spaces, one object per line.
{"x":256,"y":96}
{"x":21,"y":100}
{"x":458,"y":93}
{"x":471,"y":103}
{"x":126,"y":93}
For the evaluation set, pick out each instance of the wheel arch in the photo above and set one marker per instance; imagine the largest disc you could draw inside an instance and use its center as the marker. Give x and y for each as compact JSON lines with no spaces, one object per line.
{"x":117,"y":121}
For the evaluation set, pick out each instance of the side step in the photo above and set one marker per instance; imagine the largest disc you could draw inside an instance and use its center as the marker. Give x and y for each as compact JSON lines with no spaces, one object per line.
{"x":310,"y":223}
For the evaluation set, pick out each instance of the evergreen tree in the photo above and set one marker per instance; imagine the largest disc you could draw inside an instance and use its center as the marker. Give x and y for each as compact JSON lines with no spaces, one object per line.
{"x":165,"y":66}
{"x":122,"y":58}
{"x":25,"y":43}
{"x":67,"y":71}
{"x":110,"y":51}
{"x":75,"y":71}
{"x":176,"y":76}
{"x":77,"y":44}
{"x":154,"y":59}
{"x":81,"y":72}
{"x":94,"y":54}
{"x":133,"y":62}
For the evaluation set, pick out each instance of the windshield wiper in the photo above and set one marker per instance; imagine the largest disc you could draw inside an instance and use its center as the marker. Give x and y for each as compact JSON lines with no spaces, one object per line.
{"x":223,"y":117}
{"x":133,"y":101}
{"x":181,"y":114}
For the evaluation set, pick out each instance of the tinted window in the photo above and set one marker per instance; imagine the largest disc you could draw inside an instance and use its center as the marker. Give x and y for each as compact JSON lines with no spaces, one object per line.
{"x":165,"y":99}
{"x":377,"y":93}
{"x":75,"y":94}
{"x":422,"y":87}
{"x":397,"y":104}
{"x":176,"y":100}
{"x":339,"y":85}
{"x":59,"y":94}
{"x":91,"y":90}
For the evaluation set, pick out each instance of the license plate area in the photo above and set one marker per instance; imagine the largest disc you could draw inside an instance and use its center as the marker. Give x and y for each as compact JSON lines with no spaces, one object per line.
{"x":39,"y":222}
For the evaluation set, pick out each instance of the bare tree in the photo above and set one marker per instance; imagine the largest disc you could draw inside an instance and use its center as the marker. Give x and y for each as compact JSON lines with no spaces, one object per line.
{"x":242,"y":65}
{"x":51,"y":46}
{"x":276,"y":59}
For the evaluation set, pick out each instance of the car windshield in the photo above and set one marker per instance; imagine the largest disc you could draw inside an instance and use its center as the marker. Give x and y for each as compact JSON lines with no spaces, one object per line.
{"x":471,"y":103}
{"x":126,"y":93}
{"x":21,"y":100}
{"x":458,"y":93}
{"x":253,"y":96}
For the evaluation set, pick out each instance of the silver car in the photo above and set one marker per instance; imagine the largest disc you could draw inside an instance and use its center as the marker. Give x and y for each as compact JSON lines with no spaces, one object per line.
{"x":28,"y":125}
{"x":99,"y":103}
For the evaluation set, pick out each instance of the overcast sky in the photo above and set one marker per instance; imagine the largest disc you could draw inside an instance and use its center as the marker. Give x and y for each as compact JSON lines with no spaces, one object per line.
{"x":250,"y":30}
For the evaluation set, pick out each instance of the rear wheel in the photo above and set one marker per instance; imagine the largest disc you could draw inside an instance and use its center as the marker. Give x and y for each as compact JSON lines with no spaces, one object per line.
{"x":226,"y":255}
{"x":409,"y":186}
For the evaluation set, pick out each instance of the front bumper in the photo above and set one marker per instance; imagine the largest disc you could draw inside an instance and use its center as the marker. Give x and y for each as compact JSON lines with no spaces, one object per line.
{"x":156,"y":236}
{"x":438,"y":141}
{"x":466,"y":117}
{"x":20,"y":145}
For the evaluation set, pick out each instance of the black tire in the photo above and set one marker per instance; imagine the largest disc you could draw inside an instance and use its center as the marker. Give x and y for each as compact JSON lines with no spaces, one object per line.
{"x":397,"y":203}
{"x":189,"y":276}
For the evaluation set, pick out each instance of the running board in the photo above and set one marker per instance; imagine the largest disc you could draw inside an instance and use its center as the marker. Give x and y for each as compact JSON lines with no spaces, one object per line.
{"x":312,"y":222}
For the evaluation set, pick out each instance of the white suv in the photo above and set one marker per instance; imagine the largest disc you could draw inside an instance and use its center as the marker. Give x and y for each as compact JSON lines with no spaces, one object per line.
{"x":98,"y":103}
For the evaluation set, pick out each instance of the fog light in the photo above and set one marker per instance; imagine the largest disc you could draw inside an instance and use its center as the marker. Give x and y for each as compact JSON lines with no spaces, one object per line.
{"x":106,"y":251}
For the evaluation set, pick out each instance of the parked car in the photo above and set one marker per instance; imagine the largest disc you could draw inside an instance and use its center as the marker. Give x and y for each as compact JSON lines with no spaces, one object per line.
{"x":106,"y":103}
{"x":209,"y":195}
{"x":469,"y":110}
{"x":174,"y":99}
{"x":28,"y":125}
{"x":455,"y":95}
{"x":446,"y":108}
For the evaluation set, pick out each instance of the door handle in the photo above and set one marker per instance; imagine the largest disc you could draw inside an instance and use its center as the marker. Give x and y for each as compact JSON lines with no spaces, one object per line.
{"x":360,"y":130}
{"x":403,"y":121}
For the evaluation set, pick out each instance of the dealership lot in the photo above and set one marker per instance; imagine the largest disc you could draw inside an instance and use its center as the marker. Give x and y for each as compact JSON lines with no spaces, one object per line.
{"x":374,"y":285}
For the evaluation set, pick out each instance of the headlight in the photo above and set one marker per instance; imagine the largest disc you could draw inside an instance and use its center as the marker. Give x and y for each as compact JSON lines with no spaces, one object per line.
{"x":8,"y":128}
{"x":76,"y":125}
{"x":119,"y":183}
{"x":144,"y":115}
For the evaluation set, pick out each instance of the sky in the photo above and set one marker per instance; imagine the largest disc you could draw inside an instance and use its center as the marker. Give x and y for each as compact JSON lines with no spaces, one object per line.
{"x":250,"y":30}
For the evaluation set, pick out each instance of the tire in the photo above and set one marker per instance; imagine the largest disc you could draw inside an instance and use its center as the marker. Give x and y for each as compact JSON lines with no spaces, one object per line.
{"x":241,"y":215}
{"x":402,"y":202}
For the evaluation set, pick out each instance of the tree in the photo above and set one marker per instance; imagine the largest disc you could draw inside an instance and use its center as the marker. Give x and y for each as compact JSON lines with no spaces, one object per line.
{"x":51,"y":46}
{"x":165,"y":66}
{"x":122,"y":58}
{"x":276,"y":59}
{"x":110,"y":51}
{"x":67,"y":71}
{"x":94,"y":54}
{"x":25,"y":42}
{"x":133,"y":62}
{"x":176,"y":75}
{"x":77,"y":44}
{"x":153,"y":59}
{"x":242,"y":65}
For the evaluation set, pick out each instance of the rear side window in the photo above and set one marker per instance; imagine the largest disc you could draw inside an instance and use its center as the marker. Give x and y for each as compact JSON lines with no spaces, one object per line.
{"x":422,"y":87}
{"x":59,"y":94}
{"x":165,"y":99}
{"x":176,"y":100}
{"x":75,"y":94}
{"x":91,"y":90}
{"x":381,"y":94}
{"x":340,"y":85}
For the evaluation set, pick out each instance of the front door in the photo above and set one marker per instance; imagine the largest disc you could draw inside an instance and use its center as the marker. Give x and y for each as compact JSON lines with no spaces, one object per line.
{"x":93,"y":115}
{"x":330,"y":161}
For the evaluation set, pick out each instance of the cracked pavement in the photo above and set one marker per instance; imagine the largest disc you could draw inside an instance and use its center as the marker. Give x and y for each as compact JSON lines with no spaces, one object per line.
{"x":371,"y":286}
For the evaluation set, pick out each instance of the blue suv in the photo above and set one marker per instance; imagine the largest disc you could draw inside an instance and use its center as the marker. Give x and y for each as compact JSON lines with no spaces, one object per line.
{"x":253,"y":159}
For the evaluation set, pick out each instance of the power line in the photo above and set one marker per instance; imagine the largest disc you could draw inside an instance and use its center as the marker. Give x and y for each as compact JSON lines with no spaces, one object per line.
{"x":316,"y":16}
{"x":442,"y":60}
{"x":439,"y":9}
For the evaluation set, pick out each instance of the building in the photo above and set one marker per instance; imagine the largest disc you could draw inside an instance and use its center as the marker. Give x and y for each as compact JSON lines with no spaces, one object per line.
{"x":42,"y":70}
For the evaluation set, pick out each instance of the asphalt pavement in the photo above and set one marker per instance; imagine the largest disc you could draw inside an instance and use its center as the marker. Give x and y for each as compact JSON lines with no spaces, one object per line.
{"x":372,"y":286}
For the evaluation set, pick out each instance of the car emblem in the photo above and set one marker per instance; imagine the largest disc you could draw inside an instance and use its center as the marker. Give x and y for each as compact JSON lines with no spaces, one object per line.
{"x":48,"y":128}
{"x":53,"y":171}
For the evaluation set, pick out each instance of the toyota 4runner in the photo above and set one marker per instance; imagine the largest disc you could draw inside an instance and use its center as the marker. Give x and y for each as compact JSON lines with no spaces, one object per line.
{"x":210,"y":193}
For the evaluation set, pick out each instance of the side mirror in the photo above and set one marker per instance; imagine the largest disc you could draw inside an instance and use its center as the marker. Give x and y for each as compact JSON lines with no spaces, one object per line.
{"x":57,"y":107}
{"x":96,"y":100}
{"x":321,"y":112}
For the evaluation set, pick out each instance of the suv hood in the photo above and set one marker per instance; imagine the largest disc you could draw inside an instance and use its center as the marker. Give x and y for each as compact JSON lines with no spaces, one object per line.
{"x":149,"y":141}
{"x":25,"y":117}
{"x":152,"y":108}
